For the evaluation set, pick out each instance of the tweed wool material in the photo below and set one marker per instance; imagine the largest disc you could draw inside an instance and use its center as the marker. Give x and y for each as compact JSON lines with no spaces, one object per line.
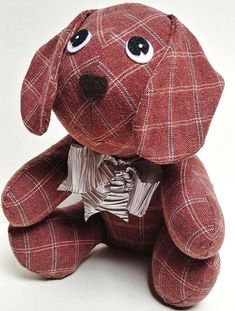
{"x":139,"y":234}
{"x":158,"y":110}
{"x":39,"y":88}
{"x":178,"y":279}
{"x":57,"y":245}
{"x":30,"y":194}
{"x":192,"y":212}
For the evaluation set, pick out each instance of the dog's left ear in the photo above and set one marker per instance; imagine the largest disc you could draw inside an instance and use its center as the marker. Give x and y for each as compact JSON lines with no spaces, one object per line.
{"x":180,"y":99}
{"x":40,"y":83}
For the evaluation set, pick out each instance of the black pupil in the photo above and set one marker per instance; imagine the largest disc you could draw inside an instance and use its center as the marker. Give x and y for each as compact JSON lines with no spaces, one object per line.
{"x":137,"y":45}
{"x":79,"y":37}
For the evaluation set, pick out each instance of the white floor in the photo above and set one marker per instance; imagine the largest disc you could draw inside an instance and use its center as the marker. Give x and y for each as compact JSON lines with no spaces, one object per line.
{"x":107,"y":280}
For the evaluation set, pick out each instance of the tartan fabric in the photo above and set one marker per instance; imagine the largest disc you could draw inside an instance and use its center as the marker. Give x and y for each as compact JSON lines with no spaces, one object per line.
{"x":31,"y":194}
{"x":192,"y":213}
{"x":39,"y":88}
{"x":177,"y":279}
{"x":160,"y":111}
{"x":44,"y":246}
{"x":106,"y":126}
{"x":139,"y":234}
{"x":57,"y":245}
{"x":181,"y":97}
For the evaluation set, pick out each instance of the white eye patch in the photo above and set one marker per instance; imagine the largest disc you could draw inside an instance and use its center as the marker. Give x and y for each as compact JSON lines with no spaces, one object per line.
{"x":78,"y":40}
{"x":139,"y":50}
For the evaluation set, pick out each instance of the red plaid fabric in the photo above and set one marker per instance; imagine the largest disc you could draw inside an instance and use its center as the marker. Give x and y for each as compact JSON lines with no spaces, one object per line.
{"x":31,"y":194}
{"x":57,"y":245}
{"x":177,"y":279}
{"x":192,"y":213}
{"x":161,"y":111}
{"x":139,"y":234}
{"x":39,"y":88}
{"x":174,"y":115}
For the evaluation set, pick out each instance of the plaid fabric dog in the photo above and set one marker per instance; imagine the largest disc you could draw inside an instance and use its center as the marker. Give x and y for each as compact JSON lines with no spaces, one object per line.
{"x":126,"y":81}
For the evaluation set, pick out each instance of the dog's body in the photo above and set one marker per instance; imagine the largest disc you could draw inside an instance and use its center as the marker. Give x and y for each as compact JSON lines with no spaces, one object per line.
{"x":157,"y":107}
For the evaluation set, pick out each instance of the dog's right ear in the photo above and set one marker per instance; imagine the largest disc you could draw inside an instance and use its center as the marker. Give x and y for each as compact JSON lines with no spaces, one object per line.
{"x":40,"y":83}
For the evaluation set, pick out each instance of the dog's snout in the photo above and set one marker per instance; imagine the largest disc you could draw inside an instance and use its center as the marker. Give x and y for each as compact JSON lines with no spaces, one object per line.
{"x":93,"y":87}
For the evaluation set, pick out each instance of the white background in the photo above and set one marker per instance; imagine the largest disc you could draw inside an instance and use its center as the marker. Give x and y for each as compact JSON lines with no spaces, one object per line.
{"x":109,"y":279}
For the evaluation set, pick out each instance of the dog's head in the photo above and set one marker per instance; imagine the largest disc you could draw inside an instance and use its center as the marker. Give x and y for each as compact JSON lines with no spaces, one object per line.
{"x":125,"y":80}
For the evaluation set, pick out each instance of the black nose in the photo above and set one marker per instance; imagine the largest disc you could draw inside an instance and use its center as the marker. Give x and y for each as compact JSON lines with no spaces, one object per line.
{"x":93,"y":87}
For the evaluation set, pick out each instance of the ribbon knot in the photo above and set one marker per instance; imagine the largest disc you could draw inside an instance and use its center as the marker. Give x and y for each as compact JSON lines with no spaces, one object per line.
{"x":106,"y":183}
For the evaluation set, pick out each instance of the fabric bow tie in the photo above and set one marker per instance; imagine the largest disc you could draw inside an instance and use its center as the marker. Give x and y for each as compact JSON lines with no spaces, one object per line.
{"x":106,"y":183}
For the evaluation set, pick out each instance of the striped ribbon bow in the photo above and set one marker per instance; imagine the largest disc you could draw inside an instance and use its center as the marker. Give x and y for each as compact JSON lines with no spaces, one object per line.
{"x":106,"y":183}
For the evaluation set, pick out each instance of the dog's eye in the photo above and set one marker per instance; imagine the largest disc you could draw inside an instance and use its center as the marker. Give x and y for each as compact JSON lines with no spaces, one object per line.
{"x":78,"y":40}
{"x":139,"y":50}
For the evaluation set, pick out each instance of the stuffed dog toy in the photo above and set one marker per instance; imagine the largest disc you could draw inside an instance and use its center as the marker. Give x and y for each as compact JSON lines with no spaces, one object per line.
{"x":136,"y":93}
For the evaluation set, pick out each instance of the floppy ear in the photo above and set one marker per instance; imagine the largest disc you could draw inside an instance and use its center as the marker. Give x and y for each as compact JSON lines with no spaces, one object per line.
{"x":40,"y":83}
{"x":180,"y":99}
